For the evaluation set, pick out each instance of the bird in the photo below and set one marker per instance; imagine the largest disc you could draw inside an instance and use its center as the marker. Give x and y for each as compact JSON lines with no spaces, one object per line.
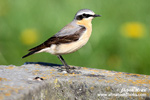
{"x":70,"y":38}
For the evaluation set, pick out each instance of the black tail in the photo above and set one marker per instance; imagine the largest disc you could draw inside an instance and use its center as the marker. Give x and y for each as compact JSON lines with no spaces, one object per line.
{"x":30,"y":53}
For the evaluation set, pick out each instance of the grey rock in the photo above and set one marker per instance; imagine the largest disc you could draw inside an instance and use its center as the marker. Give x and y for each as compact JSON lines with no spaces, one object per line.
{"x":19,"y":83}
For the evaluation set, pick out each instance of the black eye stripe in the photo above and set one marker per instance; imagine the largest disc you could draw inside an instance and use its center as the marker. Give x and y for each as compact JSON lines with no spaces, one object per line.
{"x":80,"y":17}
{"x":87,"y":15}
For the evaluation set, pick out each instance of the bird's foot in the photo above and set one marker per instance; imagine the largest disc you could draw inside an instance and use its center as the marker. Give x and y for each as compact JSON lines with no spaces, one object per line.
{"x":69,"y":67}
{"x":70,"y":70}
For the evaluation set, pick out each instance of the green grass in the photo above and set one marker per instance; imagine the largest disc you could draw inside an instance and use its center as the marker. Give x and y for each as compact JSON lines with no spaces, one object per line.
{"x":107,"y":47}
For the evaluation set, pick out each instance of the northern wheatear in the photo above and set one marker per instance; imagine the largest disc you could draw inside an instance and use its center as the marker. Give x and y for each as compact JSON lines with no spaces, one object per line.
{"x":70,"y":38}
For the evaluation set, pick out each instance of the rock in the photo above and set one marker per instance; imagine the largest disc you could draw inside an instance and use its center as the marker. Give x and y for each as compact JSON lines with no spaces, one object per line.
{"x":43,"y":81}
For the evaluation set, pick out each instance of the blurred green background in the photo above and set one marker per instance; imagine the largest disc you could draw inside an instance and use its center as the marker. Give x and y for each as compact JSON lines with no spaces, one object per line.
{"x":120,"y":39}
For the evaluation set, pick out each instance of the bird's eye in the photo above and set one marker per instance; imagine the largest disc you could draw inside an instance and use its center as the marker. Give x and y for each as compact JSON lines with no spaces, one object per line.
{"x":84,"y":15}
{"x":80,"y":17}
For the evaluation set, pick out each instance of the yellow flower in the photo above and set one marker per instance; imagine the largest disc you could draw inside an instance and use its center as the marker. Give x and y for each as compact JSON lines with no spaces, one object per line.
{"x":29,"y":36}
{"x":133,"y":30}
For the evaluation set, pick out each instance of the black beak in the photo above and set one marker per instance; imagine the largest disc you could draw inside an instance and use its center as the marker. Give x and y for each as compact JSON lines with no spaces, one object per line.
{"x":96,"y":15}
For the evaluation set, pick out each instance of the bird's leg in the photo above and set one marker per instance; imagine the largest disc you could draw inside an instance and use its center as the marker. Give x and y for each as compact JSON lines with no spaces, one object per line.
{"x":64,"y":63}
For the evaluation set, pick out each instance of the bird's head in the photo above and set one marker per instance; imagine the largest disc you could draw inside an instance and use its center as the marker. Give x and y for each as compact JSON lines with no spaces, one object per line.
{"x":85,"y":15}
